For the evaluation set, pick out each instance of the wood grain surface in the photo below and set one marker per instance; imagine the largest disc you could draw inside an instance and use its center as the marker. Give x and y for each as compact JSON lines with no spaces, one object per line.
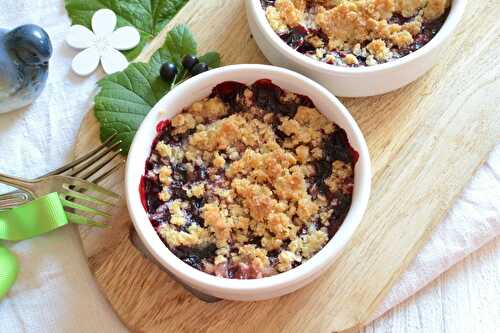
{"x":425,"y":140}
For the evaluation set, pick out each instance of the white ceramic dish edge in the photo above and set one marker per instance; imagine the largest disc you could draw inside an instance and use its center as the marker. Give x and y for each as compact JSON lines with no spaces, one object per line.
{"x":353,"y":82}
{"x":200,"y":87}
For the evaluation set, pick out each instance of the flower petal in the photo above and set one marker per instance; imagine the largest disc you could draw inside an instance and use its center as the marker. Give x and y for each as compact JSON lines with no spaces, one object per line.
{"x":113,"y":61}
{"x":103,"y":22}
{"x":125,"y":38}
{"x":80,"y":37}
{"x":86,"y":61}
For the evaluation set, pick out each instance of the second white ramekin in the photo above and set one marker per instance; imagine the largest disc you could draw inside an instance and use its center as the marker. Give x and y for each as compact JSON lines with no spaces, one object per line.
{"x":353,"y":82}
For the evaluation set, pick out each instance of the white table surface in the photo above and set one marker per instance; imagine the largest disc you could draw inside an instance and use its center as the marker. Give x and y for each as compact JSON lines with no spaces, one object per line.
{"x":41,"y":137}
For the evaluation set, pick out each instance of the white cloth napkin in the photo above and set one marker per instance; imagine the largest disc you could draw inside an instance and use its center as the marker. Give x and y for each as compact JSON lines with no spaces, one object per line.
{"x":56,"y":292}
{"x":473,"y":221}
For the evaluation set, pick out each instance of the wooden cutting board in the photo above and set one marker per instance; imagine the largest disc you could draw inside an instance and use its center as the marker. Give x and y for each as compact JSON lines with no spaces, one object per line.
{"x":426,"y":141}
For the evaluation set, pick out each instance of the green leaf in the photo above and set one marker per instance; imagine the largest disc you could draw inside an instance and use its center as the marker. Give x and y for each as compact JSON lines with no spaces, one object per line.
{"x":125,"y":98}
{"x":148,"y":16}
{"x":212,"y":59}
{"x":179,"y":42}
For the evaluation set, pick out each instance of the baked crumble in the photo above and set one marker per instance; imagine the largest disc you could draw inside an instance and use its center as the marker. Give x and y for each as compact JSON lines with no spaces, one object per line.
{"x":248,"y":182}
{"x":356,"y":33}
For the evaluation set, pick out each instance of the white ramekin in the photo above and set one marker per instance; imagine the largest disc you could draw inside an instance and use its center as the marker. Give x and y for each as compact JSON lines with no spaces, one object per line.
{"x":352,"y":82}
{"x":197,"y":88}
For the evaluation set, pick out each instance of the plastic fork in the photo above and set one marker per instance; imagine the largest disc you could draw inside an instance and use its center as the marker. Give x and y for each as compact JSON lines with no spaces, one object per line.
{"x":70,"y":190}
{"x":85,"y":167}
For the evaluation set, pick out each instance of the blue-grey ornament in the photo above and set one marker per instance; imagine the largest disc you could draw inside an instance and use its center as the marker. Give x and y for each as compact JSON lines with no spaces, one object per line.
{"x":24,"y":63}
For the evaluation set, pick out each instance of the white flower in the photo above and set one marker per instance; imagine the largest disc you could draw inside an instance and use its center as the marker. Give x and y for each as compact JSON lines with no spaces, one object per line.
{"x":102,"y":44}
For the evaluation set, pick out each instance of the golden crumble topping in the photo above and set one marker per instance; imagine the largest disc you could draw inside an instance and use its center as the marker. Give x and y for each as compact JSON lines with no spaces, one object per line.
{"x":379,"y":50}
{"x":249,"y":183}
{"x":274,"y":18}
{"x":356,"y":32}
{"x":289,"y":13}
{"x":436,"y":8}
{"x":336,"y":182}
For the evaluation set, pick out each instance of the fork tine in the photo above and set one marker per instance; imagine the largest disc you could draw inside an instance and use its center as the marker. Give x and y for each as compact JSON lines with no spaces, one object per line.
{"x":11,"y":204}
{"x":74,"y":218}
{"x":90,"y":162}
{"x":78,"y":195}
{"x":83,"y":158}
{"x":14,"y":196}
{"x":70,"y":204}
{"x":86,"y":185}
{"x":109,"y":172}
{"x":14,"y":199}
{"x":100,"y":165}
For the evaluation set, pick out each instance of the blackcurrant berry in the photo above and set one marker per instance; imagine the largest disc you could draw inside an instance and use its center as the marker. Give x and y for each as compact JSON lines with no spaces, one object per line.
{"x":189,"y":61}
{"x":199,"y":68}
{"x":168,"y":71}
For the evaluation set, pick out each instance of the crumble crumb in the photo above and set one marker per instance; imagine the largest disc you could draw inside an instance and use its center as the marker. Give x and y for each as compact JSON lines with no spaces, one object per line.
{"x":164,"y":195}
{"x":208,"y":109}
{"x":219,"y":161}
{"x":289,"y":13}
{"x":370,"y":60}
{"x":163,"y":149}
{"x":197,"y":190}
{"x":435,"y":8}
{"x":183,"y":123}
{"x":336,"y":182}
{"x":402,"y":38}
{"x":303,"y":155}
{"x":286,"y":259}
{"x":312,"y":242}
{"x":274,"y":18}
{"x":379,"y":50}
{"x":350,"y":59}
{"x":165,"y":173}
